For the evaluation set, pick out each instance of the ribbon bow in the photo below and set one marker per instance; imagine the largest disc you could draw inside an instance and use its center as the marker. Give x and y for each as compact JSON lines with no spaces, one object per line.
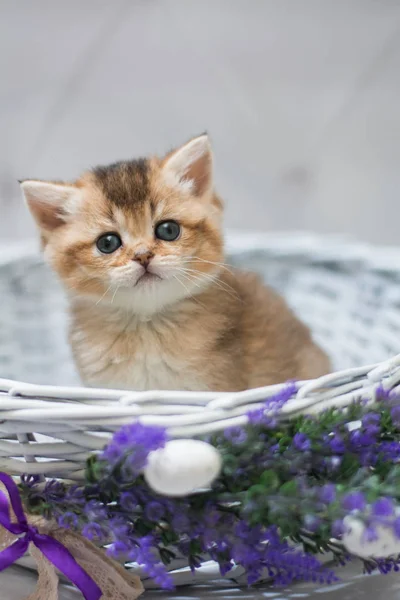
{"x":52,"y":549}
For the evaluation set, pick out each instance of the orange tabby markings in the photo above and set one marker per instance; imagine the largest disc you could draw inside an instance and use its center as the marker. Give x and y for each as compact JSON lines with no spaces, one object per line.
{"x":181,"y":319}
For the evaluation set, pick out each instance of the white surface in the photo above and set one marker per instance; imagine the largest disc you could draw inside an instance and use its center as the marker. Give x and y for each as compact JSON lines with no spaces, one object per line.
{"x":16,"y":583}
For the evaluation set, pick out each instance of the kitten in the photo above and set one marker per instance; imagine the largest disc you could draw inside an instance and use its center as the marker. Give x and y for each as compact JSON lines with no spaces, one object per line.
{"x":139,"y":248}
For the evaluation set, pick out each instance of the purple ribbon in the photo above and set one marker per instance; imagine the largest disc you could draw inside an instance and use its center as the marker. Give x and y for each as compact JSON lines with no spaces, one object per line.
{"x":53,"y":550}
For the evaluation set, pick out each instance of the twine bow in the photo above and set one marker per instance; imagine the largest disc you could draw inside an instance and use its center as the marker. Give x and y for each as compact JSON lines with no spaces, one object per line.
{"x":53,"y":550}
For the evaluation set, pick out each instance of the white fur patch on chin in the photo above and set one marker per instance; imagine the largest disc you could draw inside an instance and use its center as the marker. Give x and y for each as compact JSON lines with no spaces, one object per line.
{"x":149,"y":299}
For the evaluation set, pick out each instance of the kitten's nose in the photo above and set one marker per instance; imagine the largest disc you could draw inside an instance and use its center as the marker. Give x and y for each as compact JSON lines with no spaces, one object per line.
{"x":143,"y":257}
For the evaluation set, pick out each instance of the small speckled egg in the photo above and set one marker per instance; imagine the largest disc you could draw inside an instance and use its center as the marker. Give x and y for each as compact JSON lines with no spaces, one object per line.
{"x":354,"y":539}
{"x":182,"y":467}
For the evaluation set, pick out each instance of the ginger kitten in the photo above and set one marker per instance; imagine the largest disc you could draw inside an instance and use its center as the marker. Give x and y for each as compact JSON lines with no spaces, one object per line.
{"x":139,"y":247}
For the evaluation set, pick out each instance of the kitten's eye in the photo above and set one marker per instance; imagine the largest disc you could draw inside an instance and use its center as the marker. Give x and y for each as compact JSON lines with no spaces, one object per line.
{"x":167,"y":231}
{"x":108,"y":243}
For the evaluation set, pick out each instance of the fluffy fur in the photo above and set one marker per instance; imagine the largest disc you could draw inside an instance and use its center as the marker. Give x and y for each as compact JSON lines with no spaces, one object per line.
{"x":189,"y":321}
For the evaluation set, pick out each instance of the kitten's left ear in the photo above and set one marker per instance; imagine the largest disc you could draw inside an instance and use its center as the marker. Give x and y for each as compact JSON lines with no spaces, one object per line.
{"x":191,"y":166}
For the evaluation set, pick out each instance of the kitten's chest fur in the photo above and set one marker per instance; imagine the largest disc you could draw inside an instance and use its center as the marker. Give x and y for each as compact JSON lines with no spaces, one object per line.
{"x":113,"y":349}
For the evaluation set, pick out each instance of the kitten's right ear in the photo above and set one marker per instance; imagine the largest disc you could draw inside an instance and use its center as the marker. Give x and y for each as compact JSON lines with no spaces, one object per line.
{"x":49,"y":203}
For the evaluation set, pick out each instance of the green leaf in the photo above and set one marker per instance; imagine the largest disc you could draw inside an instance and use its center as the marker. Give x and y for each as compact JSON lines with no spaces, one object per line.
{"x":194,"y":547}
{"x":230,"y":465}
{"x":289,"y":489}
{"x":94,"y":471}
{"x":349,"y":466}
{"x":269,"y":480}
{"x":37,"y":506}
{"x":289,"y":527}
{"x":143,"y":528}
{"x":256,"y":492}
{"x":169,"y":537}
{"x":285,"y":441}
{"x":166,"y":555}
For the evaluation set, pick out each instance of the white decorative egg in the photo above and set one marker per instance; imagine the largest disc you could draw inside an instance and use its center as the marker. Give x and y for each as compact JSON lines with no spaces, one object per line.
{"x":182,"y":467}
{"x":385,"y":544}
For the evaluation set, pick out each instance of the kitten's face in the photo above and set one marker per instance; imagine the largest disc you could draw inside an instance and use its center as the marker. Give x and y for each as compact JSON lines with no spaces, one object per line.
{"x":140,"y":234}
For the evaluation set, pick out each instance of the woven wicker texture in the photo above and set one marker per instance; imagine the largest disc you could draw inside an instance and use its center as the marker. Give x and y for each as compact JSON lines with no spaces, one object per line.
{"x":348,"y":294}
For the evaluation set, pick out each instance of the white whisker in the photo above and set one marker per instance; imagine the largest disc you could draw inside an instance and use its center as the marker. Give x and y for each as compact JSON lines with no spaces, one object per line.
{"x":115,"y":292}
{"x":212,"y":279}
{"x":100,"y":299}
{"x":188,"y":291}
{"x":210,"y":262}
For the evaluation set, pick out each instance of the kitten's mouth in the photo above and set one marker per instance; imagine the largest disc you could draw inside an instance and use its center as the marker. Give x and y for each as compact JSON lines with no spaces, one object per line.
{"x":147,"y":277}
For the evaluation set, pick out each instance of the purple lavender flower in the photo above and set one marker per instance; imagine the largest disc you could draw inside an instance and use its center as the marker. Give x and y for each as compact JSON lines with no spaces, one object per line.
{"x":209,"y":538}
{"x":245,"y":554}
{"x":119,"y":550}
{"x":327,"y":493}
{"x":371,"y":419}
{"x":30,"y":481}
{"x":286,"y":564}
{"x":337,"y":444}
{"x":119,"y":528}
{"x":382,"y":394}
{"x":54,"y":491}
{"x":271,"y":407}
{"x":128,"y":501}
{"x":146,"y":556}
{"x":301,"y":442}
{"x":75,"y":496}
{"x":160,"y":575}
{"x":371,"y":424}
{"x":312,"y":523}
{"x":361,"y":439}
{"x":389,"y":451}
{"x":212,"y":516}
{"x":383,"y":508}
{"x":338,"y":528}
{"x":68,"y":520}
{"x":236,"y":435}
{"x":225,"y":566}
{"x":154,"y":511}
{"x":95,"y":510}
{"x":94,"y":531}
{"x":134,"y":442}
{"x":258,"y":416}
{"x":354,"y":501}
{"x":368,"y":457}
{"x":395,"y":414}
{"x":396,"y":527}
{"x":180,"y":522}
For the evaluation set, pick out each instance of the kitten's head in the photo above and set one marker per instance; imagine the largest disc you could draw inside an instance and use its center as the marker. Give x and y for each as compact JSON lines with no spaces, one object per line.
{"x":140,"y":234}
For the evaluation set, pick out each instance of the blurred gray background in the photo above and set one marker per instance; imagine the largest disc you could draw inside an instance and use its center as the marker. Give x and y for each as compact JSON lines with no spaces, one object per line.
{"x":300,"y":97}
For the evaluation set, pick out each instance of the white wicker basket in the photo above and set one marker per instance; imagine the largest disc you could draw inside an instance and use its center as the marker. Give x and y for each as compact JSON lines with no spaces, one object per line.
{"x":349,"y":294}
